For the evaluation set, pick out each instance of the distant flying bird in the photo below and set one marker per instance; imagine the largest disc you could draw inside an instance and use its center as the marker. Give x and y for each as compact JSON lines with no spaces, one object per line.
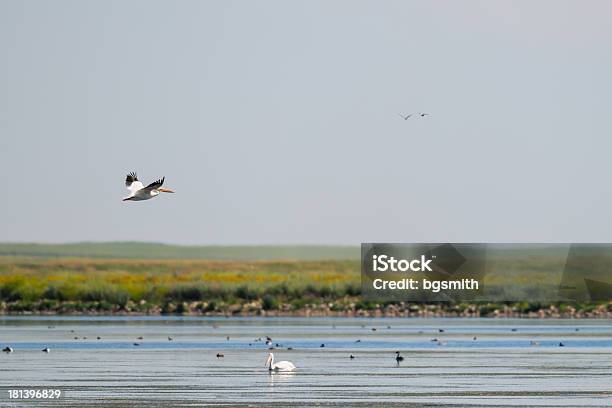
{"x":405,"y":117}
{"x":424,"y":114}
{"x":138,"y":192}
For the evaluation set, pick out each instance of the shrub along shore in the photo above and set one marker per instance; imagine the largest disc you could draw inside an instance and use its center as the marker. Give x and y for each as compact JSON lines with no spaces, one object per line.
{"x":226,"y":288}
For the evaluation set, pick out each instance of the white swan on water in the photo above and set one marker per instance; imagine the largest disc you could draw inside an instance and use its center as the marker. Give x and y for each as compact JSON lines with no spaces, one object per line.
{"x":280,"y":366}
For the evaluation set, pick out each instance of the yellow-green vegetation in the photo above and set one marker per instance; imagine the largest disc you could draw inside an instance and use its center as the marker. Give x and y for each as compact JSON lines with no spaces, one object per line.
{"x":110,"y":284}
{"x":82,"y":285}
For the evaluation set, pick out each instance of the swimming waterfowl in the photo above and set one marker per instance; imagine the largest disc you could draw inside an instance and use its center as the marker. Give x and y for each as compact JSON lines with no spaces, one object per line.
{"x":398,"y":358}
{"x":280,"y":366}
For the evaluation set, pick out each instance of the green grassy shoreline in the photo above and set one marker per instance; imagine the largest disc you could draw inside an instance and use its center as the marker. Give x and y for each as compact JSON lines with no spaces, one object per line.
{"x":41,"y":285}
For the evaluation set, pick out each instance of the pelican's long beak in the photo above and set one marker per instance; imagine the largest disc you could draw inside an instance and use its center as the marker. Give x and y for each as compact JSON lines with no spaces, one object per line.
{"x":165,"y":190}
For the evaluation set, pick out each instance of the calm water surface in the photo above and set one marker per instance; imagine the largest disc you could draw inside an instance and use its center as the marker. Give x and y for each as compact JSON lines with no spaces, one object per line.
{"x":449,"y":367}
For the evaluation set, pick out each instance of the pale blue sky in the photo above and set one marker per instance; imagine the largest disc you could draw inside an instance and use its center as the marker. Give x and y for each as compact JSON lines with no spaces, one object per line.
{"x":276,"y":121}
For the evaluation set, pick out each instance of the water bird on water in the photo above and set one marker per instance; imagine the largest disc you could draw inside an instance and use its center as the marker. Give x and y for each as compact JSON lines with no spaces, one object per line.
{"x":220,"y":355}
{"x":561,"y":345}
{"x":8,"y":349}
{"x":138,"y":192}
{"x":169,"y":338}
{"x":137,"y":344}
{"x":322,"y":345}
{"x":280,"y":366}
{"x":534,"y":343}
{"x":398,"y":358}
{"x":351,"y":357}
{"x":440,"y":330}
{"x":139,"y":338}
{"x":46,"y":350}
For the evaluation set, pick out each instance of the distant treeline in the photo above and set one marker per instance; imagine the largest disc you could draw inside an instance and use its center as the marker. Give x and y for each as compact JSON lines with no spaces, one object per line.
{"x":146,"y":250}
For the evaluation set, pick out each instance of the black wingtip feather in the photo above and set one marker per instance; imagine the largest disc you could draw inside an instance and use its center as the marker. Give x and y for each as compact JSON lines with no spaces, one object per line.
{"x":130,"y":178}
{"x":157,"y":184}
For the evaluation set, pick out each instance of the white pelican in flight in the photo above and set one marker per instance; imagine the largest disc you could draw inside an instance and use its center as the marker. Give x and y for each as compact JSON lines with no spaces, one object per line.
{"x":138,"y":192}
{"x":280,"y":366}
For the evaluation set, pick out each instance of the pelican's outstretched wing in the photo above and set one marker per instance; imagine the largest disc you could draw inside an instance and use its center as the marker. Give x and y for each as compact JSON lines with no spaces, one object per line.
{"x":132,"y":183}
{"x":156,"y":184}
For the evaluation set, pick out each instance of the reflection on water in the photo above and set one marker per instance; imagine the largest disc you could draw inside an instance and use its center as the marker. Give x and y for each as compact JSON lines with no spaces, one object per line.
{"x":447,"y":361}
